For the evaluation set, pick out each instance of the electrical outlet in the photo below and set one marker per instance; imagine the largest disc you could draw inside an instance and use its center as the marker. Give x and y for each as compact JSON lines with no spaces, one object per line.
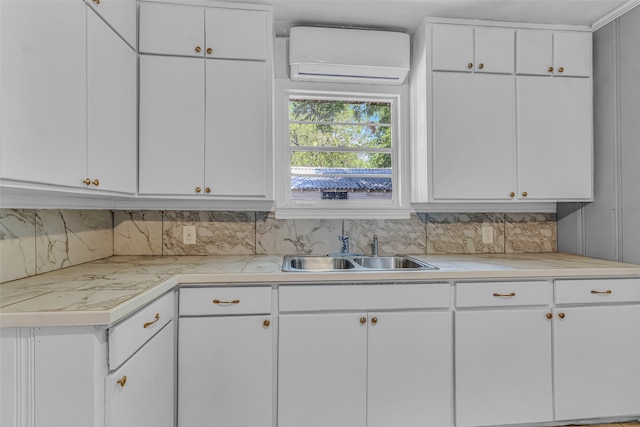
{"x":487,"y":235}
{"x":189,"y":234}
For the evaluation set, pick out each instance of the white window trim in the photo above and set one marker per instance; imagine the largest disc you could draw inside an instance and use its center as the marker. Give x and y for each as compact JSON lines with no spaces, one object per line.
{"x":398,"y":208}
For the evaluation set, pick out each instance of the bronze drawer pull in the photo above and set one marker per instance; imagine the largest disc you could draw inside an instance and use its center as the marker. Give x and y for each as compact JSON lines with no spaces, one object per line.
{"x":512,"y":294}
{"x":146,"y":325}
{"x":607,"y":292}
{"x":217,"y":301}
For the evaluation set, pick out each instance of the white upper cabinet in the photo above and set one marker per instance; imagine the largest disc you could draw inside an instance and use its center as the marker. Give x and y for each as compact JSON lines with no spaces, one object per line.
{"x":205,"y":119}
{"x":211,"y":32}
{"x":44,"y":92}
{"x":473,"y":133}
{"x":120,"y":15}
{"x":236,"y":150}
{"x":501,"y":127}
{"x":465,"y":48}
{"x":452,"y":48}
{"x":494,"y":50}
{"x":554,"y":159}
{"x":171,"y":125}
{"x":236,"y":34}
{"x":112,"y":107}
{"x":572,"y":54}
{"x":171,"y":29}
{"x":559,"y":53}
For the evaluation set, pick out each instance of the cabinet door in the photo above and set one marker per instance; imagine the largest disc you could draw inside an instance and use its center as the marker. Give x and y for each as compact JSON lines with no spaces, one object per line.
{"x":410,"y":375}
{"x":147,"y":397}
{"x":494,"y":50}
{"x":534,"y":52}
{"x":236,"y":128}
{"x":172,"y":30}
{"x":473,"y":136}
{"x":596,"y":362}
{"x":111,"y":109}
{"x":226,"y":371}
{"x":452,"y":48}
{"x":322,"y":370}
{"x":503,"y":367}
{"x":236,"y":34}
{"x":171,"y":125}
{"x":555,"y":122}
{"x":572,"y":54}
{"x":43,"y":78}
{"x":121,"y":15}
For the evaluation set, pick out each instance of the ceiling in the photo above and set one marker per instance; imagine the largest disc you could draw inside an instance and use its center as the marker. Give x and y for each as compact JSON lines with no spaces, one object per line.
{"x":405,"y":15}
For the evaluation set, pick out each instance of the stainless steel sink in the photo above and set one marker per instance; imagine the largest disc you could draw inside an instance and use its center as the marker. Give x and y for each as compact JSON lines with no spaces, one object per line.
{"x":317,"y":263}
{"x":314,"y":263}
{"x":396,"y":262}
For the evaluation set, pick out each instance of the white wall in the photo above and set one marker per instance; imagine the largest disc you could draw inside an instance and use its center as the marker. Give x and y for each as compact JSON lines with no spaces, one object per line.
{"x":609,"y":227}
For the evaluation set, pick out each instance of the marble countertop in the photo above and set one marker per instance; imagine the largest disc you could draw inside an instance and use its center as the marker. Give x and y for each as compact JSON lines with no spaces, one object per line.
{"x":105,"y":291}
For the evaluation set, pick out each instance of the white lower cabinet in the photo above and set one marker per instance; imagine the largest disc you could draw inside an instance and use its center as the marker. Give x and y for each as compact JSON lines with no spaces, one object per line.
{"x":365,"y":369}
{"x":597,"y":361}
{"x":226,"y":357}
{"x":141,"y":391}
{"x":503,"y":367}
{"x":322,"y":370}
{"x":225,"y":371}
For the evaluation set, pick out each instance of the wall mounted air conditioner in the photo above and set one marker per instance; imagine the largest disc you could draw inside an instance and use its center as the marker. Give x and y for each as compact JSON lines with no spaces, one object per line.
{"x":345,"y":55}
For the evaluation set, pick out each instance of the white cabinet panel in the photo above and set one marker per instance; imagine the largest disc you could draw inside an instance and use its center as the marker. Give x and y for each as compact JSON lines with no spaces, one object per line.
{"x":534,"y":52}
{"x":145,"y":395}
{"x":322,"y":370}
{"x":43,"y":79}
{"x":171,"y":125}
{"x":572,"y":54}
{"x":235,"y":153}
{"x":503,"y":367}
{"x":121,"y":15}
{"x":10,"y":405}
{"x":473,"y":136}
{"x":452,"y":48}
{"x":554,"y":138}
{"x":225,"y":372}
{"x":236,"y":34}
{"x":171,"y":29}
{"x":596,"y":361}
{"x":111,"y":108}
{"x":494,"y":50}
{"x":410,"y":371}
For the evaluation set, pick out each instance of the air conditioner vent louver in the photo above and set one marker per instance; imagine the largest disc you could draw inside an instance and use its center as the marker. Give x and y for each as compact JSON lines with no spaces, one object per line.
{"x":342,"y":55}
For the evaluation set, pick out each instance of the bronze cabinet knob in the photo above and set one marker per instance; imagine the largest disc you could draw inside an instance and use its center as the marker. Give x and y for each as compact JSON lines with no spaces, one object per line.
{"x":550,"y":69}
{"x":363,"y":320}
{"x":561,"y":315}
{"x":470,"y":65}
{"x":198,"y":189}
{"x":198,"y":49}
{"x":209,"y":51}
{"x":480,"y":66}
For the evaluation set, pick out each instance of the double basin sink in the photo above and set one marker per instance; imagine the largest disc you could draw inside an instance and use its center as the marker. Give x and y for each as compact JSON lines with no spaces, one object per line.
{"x":346,"y":262}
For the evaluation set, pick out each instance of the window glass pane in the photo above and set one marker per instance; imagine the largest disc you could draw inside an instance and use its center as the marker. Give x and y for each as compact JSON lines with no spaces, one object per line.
{"x":312,"y":135}
{"x":354,"y":184}
{"x":316,"y":110}
{"x":333,"y":146}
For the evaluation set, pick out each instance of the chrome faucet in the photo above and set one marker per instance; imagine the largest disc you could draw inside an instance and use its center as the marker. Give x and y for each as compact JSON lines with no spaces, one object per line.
{"x":345,"y":244}
{"x":374,"y":246}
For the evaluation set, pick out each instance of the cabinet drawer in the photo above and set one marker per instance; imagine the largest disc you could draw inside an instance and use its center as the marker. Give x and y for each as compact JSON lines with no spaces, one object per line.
{"x":595,"y":291}
{"x":363,"y":297}
{"x":503,"y":294}
{"x":223,"y":301}
{"x":126,"y":337}
{"x":141,"y":391}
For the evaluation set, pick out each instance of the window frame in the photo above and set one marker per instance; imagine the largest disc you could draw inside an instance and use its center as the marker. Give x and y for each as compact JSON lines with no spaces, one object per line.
{"x":396,"y":208}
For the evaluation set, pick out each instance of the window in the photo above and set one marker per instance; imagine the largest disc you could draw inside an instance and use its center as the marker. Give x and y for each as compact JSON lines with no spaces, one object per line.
{"x":340,"y":146}
{"x":338,"y":153}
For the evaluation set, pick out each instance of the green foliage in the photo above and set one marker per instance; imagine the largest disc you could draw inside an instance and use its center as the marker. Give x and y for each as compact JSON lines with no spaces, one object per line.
{"x":340,"y":135}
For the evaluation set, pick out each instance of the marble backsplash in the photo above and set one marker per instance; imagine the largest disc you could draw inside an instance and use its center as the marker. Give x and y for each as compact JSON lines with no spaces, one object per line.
{"x":38,"y":241}
{"x":247,"y":233}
